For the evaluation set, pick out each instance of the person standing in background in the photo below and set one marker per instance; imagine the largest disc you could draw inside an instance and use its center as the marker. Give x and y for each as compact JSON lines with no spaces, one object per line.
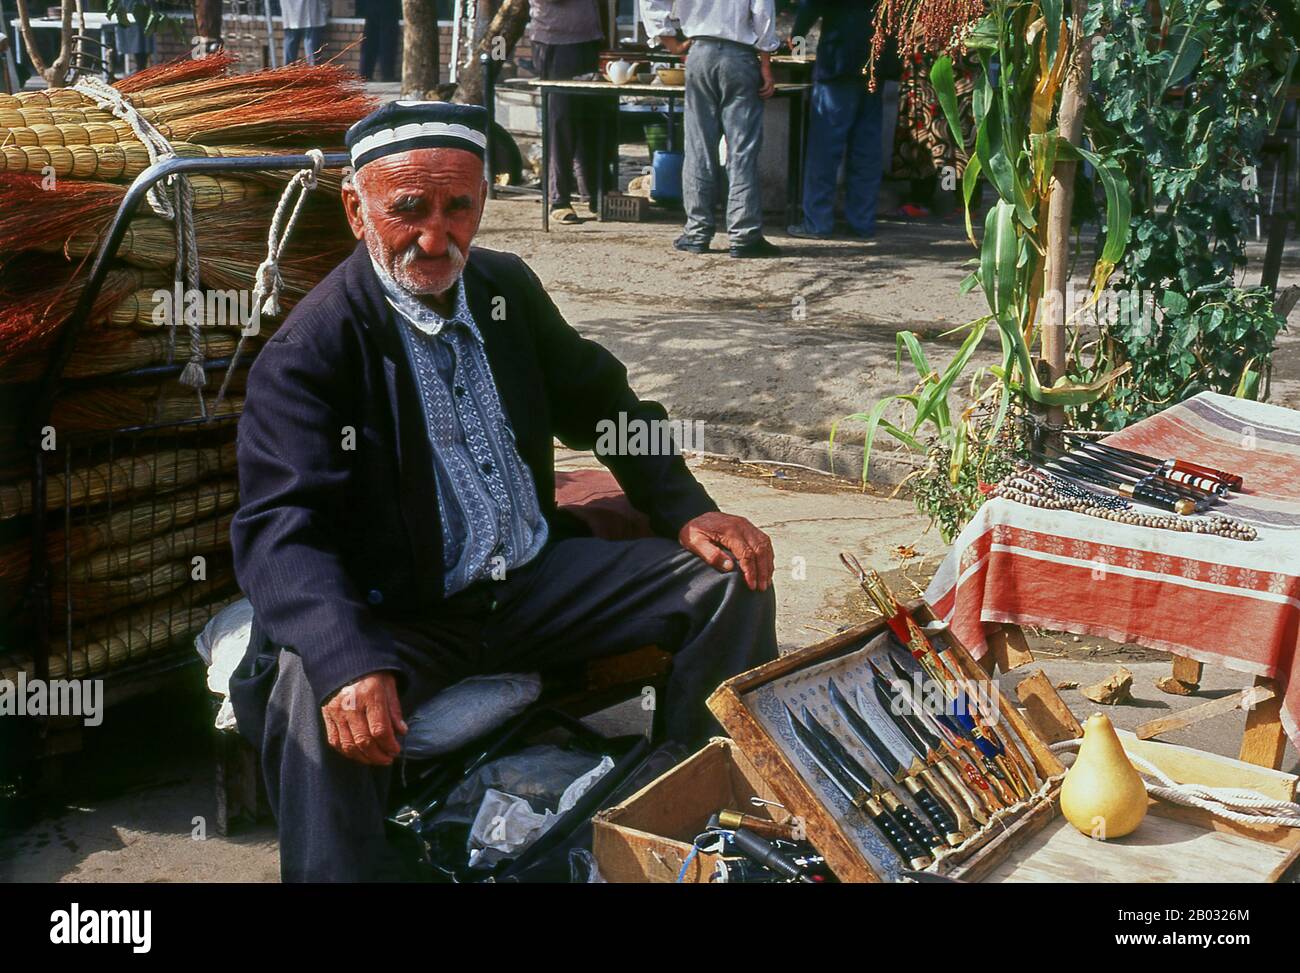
{"x":304,"y":23}
{"x":728,"y":77}
{"x":846,"y":121}
{"x":379,"y":42}
{"x":131,"y":41}
{"x":566,"y":38}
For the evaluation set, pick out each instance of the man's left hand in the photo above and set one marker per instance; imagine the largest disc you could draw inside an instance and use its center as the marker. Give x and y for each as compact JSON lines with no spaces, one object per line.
{"x":724,"y":539}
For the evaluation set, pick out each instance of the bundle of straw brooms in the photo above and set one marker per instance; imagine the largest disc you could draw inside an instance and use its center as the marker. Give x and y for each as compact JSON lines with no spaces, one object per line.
{"x":137,"y":519}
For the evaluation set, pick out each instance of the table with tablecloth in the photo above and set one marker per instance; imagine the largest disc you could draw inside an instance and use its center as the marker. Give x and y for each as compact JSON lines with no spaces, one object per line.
{"x":1225,"y":602}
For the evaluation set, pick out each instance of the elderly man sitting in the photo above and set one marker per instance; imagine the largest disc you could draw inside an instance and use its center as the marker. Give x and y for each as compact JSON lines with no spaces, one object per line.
{"x":398,"y":528}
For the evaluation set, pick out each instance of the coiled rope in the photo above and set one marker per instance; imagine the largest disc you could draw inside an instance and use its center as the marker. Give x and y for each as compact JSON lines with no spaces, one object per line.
{"x":1230,"y":803}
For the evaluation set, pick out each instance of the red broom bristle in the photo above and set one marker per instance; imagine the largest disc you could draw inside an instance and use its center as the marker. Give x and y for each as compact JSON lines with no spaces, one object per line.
{"x":74,"y":206}
{"x":37,"y":294}
{"x":183,"y":69}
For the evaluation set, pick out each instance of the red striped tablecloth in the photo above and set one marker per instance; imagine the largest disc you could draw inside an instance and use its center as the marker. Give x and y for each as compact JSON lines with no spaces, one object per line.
{"x":1230,"y":603}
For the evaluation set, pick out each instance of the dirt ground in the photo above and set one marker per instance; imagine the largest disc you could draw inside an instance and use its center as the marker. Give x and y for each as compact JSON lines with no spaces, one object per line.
{"x":769,"y":354}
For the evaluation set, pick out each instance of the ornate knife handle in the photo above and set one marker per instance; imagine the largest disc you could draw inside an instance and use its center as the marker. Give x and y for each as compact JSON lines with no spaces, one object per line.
{"x":937,"y":814}
{"x":912,"y":825}
{"x":911,"y":852}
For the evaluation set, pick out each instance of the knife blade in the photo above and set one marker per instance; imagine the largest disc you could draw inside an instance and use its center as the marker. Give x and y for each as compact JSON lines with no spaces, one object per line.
{"x":914,"y":722}
{"x":927,"y":802}
{"x":911,"y":824}
{"x":906,"y":847}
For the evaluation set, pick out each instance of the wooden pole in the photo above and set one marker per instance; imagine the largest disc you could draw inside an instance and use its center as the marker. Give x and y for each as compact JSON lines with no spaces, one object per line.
{"x":1074,"y":100}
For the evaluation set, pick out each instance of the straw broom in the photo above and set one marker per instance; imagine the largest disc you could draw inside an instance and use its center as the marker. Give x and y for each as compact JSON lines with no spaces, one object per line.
{"x":100,"y":410}
{"x":132,"y":635}
{"x":177,"y":545}
{"x":135,"y":524}
{"x":75,"y":207}
{"x":89,"y":600}
{"x":37,"y":293}
{"x":120,"y":478}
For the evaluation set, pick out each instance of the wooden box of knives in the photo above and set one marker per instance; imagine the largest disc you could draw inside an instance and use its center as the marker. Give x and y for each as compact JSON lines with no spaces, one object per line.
{"x":901,"y":759}
{"x":887,"y":765}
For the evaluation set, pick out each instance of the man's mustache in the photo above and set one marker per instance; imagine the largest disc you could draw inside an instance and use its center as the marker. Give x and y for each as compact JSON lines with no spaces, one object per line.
{"x":413,"y":253}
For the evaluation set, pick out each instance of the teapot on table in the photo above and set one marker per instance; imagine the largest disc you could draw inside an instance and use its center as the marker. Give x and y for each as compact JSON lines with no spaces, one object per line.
{"x":620,"y":71}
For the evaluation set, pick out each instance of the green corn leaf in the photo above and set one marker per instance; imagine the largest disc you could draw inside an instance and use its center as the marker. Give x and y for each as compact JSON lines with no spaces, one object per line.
{"x":945,"y":88}
{"x":934,"y":401}
{"x":875,"y":420}
{"x":969,"y":181}
{"x":999,"y":253}
{"x":1054,"y":20}
{"x":1119,"y":209}
{"x":905,"y":340}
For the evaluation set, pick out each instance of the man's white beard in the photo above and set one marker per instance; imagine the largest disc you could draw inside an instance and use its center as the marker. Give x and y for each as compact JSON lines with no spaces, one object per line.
{"x":399,"y":265}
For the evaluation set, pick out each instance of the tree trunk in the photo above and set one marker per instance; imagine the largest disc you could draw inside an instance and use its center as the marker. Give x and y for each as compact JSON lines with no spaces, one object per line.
{"x":207,"y":24}
{"x":498,"y":43}
{"x":1074,"y":100}
{"x":420,"y":49}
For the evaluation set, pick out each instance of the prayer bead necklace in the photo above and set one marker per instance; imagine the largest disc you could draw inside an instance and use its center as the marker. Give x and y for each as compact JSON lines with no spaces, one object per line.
{"x":1036,"y":489}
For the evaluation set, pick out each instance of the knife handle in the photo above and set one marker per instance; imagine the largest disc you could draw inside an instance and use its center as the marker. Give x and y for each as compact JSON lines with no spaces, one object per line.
{"x":923,"y":835}
{"x":939,"y":817}
{"x":912,"y":853}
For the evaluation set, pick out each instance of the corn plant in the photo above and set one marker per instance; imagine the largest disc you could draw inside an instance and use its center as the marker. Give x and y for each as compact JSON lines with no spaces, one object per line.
{"x":1025,"y":50}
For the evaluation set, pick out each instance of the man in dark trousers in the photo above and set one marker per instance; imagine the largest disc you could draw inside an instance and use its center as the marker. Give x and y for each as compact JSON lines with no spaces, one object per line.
{"x":379,"y":38}
{"x":398,"y":528}
{"x":728,"y":47}
{"x":846,"y":120}
{"x":566,"y":40}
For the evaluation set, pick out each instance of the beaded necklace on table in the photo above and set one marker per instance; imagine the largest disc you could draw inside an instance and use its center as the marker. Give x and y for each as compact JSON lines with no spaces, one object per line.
{"x":1037,"y":488}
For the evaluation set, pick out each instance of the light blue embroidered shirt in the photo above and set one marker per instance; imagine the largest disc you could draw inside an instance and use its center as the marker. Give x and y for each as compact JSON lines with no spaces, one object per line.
{"x":487,"y":501}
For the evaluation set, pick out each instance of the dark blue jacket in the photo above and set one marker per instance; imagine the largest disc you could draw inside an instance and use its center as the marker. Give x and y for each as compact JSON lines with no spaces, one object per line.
{"x":845,"y":41}
{"x":329,"y":540}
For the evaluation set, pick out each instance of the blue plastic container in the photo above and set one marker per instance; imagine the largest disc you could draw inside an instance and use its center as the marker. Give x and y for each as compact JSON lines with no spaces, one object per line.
{"x":667,"y":169}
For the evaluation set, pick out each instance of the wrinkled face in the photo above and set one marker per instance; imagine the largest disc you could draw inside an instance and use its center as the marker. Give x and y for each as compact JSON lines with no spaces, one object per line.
{"x":418,"y":212}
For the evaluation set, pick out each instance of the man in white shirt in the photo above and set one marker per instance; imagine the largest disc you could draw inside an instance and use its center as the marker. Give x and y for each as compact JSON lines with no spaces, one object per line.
{"x":728,"y":76}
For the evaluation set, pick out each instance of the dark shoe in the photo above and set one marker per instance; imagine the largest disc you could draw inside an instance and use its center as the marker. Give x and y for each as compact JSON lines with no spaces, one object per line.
{"x":756,"y":248}
{"x":801,"y":231}
{"x":687,"y":245}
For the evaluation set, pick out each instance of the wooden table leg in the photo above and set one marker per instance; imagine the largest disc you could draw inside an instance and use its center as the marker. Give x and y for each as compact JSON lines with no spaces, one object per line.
{"x":1008,"y":649}
{"x":1264,"y":739}
{"x":1187,"y":671}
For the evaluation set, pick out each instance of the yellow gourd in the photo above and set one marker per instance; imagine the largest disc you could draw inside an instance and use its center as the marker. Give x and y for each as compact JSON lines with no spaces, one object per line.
{"x":1103,"y":796}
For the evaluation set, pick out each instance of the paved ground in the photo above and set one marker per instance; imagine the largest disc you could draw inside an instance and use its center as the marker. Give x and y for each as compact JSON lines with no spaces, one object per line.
{"x":769,"y":354}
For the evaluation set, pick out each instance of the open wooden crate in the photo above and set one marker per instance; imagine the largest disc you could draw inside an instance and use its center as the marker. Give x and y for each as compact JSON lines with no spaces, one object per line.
{"x":1030,"y":841}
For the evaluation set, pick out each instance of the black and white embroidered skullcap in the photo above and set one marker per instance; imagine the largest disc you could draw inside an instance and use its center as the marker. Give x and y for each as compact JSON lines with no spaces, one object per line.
{"x":401,"y":126}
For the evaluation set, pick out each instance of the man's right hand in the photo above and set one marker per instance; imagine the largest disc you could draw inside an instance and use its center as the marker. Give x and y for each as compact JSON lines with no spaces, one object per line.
{"x":362,"y":720}
{"x":674,"y":46}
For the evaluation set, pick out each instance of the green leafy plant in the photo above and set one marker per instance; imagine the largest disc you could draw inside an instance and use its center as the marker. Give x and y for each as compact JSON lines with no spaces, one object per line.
{"x":1186,"y":92}
{"x":1026,"y":50}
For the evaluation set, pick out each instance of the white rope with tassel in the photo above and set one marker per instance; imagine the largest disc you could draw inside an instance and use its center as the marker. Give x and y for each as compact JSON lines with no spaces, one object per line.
{"x":1230,"y":803}
{"x":266,"y":288}
{"x":181,"y":213}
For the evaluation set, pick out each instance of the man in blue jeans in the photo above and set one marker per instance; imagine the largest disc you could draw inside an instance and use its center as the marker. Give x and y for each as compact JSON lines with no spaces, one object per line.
{"x":846,"y":121}
{"x":728,"y":77}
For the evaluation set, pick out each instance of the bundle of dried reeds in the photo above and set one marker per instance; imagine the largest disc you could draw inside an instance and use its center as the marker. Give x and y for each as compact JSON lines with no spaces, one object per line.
{"x":131,"y":635}
{"x":104,"y":534}
{"x":198,"y":537}
{"x":120,"y":478}
{"x":128,"y":514}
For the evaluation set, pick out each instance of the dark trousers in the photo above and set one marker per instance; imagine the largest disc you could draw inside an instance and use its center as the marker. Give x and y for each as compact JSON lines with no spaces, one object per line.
{"x":379,"y":42}
{"x":579,"y":599}
{"x":575,"y":122}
